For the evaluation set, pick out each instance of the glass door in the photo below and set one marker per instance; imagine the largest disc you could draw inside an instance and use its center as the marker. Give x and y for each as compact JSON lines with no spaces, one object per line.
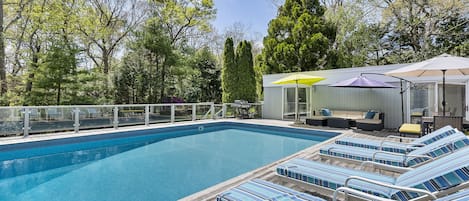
{"x":289,"y":103}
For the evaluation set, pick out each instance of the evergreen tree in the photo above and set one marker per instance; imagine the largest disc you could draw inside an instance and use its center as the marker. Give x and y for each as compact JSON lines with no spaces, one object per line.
{"x":209,"y":85}
{"x":299,"y":38}
{"x":246,"y":86}
{"x":229,"y":78}
{"x":56,"y":76}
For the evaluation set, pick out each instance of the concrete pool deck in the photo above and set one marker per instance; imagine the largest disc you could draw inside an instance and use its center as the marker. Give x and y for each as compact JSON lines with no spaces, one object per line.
{"x":266,"y":172}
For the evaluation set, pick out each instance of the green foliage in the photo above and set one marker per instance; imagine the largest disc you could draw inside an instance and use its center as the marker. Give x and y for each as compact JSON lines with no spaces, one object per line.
{"x":298,"y":39}
{"x":228,"y":73}
{"x":54,"y":78}
{"x":246,"y":85}
{"x":238,"y":76}
{"x":209,"y":82}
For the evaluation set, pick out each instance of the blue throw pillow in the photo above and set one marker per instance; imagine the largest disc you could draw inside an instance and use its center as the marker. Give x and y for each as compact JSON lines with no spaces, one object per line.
{"x":325,"y":112}
{"x":370,"y":115}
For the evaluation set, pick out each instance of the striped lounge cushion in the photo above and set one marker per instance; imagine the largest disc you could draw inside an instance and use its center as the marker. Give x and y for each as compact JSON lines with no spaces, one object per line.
{"x":396,"y":146}
{"x":434,"y":150}
{"x":332,"y":177}
{"x":441,"y":174}
{"x":258,"y":190}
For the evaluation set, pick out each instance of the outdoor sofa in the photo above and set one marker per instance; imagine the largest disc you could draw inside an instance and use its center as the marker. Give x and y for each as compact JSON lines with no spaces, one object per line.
{"x":366,"y":120}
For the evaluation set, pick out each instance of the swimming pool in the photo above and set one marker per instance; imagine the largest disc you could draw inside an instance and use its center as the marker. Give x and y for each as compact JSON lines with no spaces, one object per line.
{"x":157,"y":164}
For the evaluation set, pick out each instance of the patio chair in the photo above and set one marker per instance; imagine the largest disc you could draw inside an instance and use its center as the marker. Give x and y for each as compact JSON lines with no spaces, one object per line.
{"x":258,"y":190}
{"x":414,"y":158}
{"x":449,"y":173}
{"x":389,"y":144}
{"x":454,"y":121}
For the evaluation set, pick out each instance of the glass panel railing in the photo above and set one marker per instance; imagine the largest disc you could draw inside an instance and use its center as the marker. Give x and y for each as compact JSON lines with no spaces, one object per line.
{"x":11,"y":121}
{"x":218,"y":111}
{"x":255,"y":111}
{"x":44,"y":119}
{"x":160,"y":114}
{"x":51,"y":119}
{"x":183,"y":113}
{"x":230,"y":111}
{"x":131,"y":115}
{"x":203,"y":111}
{"x":96,"y":117}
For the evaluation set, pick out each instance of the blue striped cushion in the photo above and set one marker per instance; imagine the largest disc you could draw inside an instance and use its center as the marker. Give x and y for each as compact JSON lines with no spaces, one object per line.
{"x":257,"y":189}
{"x":438,"y":175}
{"x":440,"y":148}
{"x":436,"y":135}
{"x":332,"y":177}
{"x":433,"y":150}
{"x":361,"y":154}
{"x":397,"y":147}
{"x":373,"y":144}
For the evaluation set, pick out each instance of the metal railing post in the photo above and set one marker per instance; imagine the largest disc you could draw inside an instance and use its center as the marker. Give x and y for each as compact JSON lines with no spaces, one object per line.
{"x":223,"y":113}
{"x":116,"y":117}
{"x":26,"y":122}
{"x":147,"y":115}
{"x":173,"y":112}
{"x":76,"y":125}
{"x":212,"y":109}
{"x":194,"y":112}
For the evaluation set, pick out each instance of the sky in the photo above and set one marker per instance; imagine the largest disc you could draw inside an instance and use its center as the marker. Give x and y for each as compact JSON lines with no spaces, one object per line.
{"x":254,"y":14}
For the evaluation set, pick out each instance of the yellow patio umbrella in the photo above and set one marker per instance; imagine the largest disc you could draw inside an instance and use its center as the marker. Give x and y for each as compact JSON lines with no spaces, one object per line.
{"x":298,"y":78}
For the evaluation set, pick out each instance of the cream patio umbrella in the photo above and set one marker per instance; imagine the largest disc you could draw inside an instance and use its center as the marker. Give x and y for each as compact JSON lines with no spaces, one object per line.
{"x":444,"y":64}
{"x":298,"y":78}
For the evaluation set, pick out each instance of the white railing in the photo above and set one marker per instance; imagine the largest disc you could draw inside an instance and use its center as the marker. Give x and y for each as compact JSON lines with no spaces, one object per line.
{"x":25,"y":120}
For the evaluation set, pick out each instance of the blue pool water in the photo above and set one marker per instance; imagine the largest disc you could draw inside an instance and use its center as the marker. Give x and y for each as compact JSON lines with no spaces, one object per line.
{"x":166,"y":165}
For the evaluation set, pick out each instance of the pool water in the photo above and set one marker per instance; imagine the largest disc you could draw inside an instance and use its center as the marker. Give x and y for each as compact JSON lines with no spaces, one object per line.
{"x":147,"y":169}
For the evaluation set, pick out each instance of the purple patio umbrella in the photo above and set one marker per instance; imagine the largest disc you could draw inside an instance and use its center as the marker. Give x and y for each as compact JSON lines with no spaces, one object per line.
{"x":362,"y":82}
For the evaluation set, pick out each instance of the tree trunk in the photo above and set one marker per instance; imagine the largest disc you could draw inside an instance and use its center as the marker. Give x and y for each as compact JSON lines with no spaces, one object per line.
{"x":34,"y":66}
{"x":105,"y":62}
{"x":3,"y":85}
{"x":58,"y":94}
{"x":163,"y":74}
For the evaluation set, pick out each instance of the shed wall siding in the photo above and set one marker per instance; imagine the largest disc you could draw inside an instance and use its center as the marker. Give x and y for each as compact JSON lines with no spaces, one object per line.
{"x":272,"y":107}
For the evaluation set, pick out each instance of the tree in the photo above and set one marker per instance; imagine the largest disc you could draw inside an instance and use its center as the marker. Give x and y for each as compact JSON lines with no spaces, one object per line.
{"x":228,"y":73}
{"x":298,"y":39}
{"x":246,"y":85}
{"x":105,"y":24}
{"x":418,"y":30}
{"x":209,"y":82}
{"x":55,"y":75}
{"x":182,"y":20}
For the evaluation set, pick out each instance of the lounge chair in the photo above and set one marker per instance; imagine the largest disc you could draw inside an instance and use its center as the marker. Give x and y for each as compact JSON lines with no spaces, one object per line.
{"x":393,"y":146}
{"x":458,"y":196}
{"x":258,"y":190}
{"x":449,"y":173}
{"x":414,"y":158}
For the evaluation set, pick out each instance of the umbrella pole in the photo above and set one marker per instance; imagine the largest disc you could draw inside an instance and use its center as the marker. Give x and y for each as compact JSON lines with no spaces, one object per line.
{"x":444,"y":94}
{"x":402,"y":104}
{"x":296,"y":102}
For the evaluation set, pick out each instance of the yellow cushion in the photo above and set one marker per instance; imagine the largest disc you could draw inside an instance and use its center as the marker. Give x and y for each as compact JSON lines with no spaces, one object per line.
{"x":410,"y":128}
